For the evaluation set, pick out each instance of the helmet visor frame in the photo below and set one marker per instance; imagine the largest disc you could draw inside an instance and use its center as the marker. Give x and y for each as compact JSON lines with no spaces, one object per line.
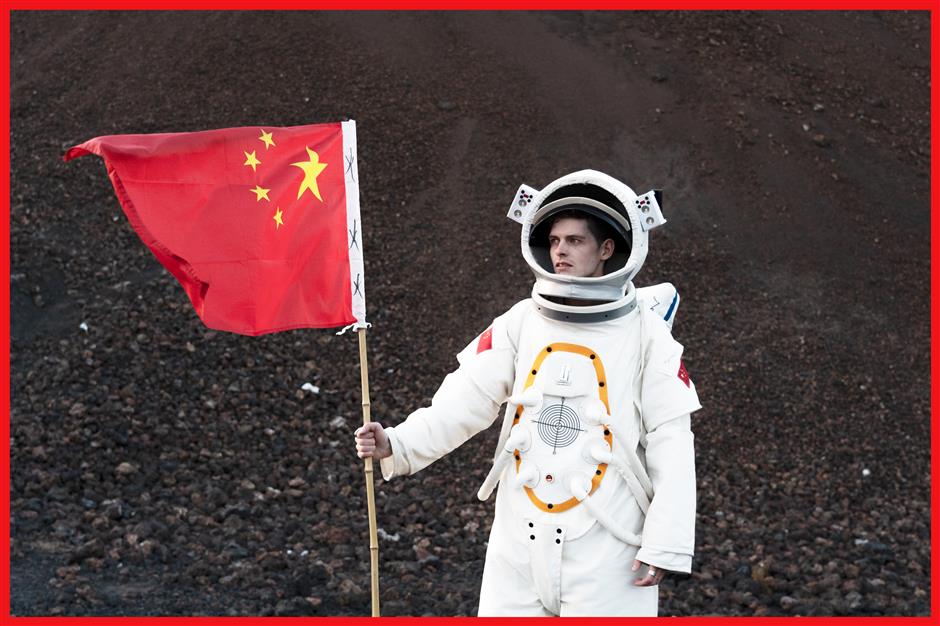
{"x":618,"y":222}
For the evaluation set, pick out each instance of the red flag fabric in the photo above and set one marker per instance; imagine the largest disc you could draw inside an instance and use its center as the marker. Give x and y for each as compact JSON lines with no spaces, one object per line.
{"x":260,"y":225}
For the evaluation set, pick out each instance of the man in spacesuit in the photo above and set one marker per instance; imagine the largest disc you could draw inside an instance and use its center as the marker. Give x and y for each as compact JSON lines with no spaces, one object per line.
{"x":595,"y":459}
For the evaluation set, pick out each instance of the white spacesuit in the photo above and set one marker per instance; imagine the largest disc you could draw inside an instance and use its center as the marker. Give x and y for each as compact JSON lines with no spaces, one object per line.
{"x":595,"y":457}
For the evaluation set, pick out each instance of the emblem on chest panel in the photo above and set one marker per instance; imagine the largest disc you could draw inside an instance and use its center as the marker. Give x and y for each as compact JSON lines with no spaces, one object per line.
{"x":558,"y":426}
{"x":563,"y":411}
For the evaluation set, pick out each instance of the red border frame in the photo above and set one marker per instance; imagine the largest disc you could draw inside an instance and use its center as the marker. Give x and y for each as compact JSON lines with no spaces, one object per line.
{"x":926,"y":5}
{"x":5,"y":315}
{"x":934,"y":283}
{"x":547,"y":5}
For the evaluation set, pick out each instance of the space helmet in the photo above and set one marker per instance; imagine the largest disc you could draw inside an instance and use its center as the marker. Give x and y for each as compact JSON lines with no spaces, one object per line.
{"x":626,"y":216}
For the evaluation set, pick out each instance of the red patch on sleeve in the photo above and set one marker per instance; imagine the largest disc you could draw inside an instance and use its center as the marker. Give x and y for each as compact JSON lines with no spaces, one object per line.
{"x":684,"y":374}
{"x":486,"y":340}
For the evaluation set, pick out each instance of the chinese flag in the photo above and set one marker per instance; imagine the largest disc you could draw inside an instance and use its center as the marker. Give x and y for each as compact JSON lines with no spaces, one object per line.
{"x":260,"y":225}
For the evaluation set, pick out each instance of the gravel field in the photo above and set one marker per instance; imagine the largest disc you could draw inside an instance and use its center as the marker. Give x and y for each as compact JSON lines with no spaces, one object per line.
{"x":162,"y":468}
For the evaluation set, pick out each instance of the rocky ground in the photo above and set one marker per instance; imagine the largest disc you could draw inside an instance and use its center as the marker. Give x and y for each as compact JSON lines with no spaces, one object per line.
{"x":162,"y":468}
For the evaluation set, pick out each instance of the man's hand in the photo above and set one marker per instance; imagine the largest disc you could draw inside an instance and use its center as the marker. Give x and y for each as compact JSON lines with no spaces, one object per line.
{"x":653,"y":576}
{"x":371,"y":441}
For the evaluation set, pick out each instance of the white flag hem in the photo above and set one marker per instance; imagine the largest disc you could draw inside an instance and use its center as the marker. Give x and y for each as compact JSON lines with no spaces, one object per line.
{"x":357,"y":285}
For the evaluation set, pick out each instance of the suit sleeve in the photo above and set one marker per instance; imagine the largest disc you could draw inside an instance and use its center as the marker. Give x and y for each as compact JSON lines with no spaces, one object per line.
{"x":667,"y":390}
{"x":466,"y":403}
{"x":669,"y":528}
{"x":668,"y":399}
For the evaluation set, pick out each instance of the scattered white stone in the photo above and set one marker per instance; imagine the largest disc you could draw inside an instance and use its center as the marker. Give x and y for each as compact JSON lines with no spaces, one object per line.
{"x":304,"y":552}
{"x":338,"y":422}
{"x":387,"y":537}
{"x":83,"y":326}
{"x":866,"y":472}
{"x":311,"y":388}
{"x":126,"y":468}
{"x":861,"y":542}
{"x":806,"y":127}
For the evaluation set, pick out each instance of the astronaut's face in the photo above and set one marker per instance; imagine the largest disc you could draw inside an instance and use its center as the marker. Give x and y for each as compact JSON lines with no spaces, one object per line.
{"x":575,"y":251}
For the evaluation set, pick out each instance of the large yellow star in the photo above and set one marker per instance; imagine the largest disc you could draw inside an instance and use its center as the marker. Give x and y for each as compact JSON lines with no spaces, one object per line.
{"x":312,"y":169}
{"x":252,"y":161}
{"x":267,"y":138}
{"x":261,"y":193}
{"x":277,"y":218}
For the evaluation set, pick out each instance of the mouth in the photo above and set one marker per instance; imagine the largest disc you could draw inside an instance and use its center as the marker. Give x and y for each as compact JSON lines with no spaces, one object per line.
{"x":562,"y":266}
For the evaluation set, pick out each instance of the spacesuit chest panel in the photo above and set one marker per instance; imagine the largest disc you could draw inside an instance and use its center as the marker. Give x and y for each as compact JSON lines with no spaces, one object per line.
{"x":579,"y":385}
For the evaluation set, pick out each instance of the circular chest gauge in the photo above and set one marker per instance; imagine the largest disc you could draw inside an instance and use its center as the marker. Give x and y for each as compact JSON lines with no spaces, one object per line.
{"x":559,"y":426}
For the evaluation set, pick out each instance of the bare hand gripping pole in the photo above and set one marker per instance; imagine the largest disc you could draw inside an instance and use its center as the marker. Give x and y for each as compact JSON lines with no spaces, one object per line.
{"x":370,"y":483}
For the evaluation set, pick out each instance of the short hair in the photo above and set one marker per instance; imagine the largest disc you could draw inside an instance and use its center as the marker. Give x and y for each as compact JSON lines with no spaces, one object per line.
{"x":597,"y":227}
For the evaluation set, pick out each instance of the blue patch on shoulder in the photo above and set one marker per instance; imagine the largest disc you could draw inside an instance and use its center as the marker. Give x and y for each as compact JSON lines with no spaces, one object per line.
{"x":672,"y":307}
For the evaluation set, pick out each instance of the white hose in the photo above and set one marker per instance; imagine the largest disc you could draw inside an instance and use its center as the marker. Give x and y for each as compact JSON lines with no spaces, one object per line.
{"x":602,"y":454}
{"x":636,"y":468}
{"x":580,"y":486}
{"x":596,"y":413}
{"x":528,"y":475}
{"x":531,"y":398}
{"x":519,"y":439}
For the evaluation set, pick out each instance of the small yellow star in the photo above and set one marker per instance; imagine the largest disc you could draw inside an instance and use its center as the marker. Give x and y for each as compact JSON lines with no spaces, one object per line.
{"x":252,"y":161}
{"x":261,"y":193}
{"x":312,"y":169}
{"x":277,"y":218}
{"x":267,"y":138}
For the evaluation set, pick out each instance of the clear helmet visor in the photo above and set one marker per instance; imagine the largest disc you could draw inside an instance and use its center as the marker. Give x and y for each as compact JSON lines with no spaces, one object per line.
{"x":602,"y":221}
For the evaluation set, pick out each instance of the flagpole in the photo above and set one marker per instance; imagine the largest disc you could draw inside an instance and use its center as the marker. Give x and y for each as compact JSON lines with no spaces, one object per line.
{"x":370,"y":483}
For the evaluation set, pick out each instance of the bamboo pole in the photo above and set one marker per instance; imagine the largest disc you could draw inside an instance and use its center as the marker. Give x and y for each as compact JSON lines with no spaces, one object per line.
{"x":370,"y":482}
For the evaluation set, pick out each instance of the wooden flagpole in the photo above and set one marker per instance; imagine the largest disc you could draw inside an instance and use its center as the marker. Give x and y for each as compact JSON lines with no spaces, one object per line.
{"x":370,"y":482}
